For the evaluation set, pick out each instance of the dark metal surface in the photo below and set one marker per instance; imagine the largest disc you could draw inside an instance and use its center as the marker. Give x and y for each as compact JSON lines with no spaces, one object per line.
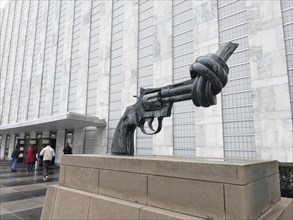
{"x":209,"y":74}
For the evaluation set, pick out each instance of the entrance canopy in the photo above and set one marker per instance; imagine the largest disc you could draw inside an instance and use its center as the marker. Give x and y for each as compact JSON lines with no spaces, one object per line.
{"x":67,"y":120}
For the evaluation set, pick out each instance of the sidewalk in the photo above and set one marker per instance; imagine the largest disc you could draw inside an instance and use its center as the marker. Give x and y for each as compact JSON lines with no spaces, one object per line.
{"x":22,"y":193}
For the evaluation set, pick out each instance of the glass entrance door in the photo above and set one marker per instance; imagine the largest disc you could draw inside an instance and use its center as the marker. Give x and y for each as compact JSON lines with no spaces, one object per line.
{"x":22,"y":155}
{"x":69,"y":136}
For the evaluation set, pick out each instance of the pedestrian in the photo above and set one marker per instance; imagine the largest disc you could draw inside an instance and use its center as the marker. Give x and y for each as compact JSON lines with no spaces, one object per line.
{"x":31,"y":158}
{"x":48,"y":154}
{"x":14,"y":156}
{"x":67,"y":149}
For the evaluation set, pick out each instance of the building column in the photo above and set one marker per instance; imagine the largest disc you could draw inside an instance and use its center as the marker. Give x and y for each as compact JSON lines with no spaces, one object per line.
{"x":102,"y":107}
{"x":40,"y":61}
{"x":84,"y":58}
{"x":163,"y":141}
{"x":269,"y":81}
{"x":52,"y":62}
{"x":208,"y":121}
{"x":101,"y":140}
{"x":67,"y":57}
{"x":129,"y":87}
{"x":60,"y":141}
{"x":28,"y":74}
{"x":78,"y":141}
{"x":2,"y":146}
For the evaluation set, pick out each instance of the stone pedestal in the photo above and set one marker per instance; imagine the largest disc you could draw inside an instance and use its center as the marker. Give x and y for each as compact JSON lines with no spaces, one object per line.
{"x":117,"y":187}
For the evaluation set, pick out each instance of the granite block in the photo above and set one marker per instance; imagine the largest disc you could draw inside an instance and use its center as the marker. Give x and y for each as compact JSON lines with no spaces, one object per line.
{"x":204,"y":199}
{"x":71,"y":204}
{"x":102,"y":207}
{"x":123,"y":185}
{"x":82,"y":178}
{"x":48,"y":207}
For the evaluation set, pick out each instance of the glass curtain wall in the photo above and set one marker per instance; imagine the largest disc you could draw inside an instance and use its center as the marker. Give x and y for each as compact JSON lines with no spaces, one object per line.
{"x":237,"y":110}
{"x":287,"y":15}
{"x":183,"y":112}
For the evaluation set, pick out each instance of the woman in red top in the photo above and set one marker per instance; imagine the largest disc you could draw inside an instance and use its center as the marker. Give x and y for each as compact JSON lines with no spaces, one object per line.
{"x":31,"y":157}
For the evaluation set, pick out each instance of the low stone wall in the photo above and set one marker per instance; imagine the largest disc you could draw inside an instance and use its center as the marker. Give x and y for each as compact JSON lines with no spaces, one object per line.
{"x":114,"y":187}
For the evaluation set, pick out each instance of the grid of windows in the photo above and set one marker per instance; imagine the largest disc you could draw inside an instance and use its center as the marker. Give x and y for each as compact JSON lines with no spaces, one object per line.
{"x":34,"y":78}
{"x":75,"y":56}
{"x":48,"y":43}
{"x":237,"y":109}
{"x":10,"y":49}
{"x":287,"y":15}
{"x":90,"y":132}
{"x":116,"y":69}
{"x":59,"y":58}
{"x":183,"y":112}
{"x":145,"y":64}
{"x":20,"y":11}
{"x":24,"y":83}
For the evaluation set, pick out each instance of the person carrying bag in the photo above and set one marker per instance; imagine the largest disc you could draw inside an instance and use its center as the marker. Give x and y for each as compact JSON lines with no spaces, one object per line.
{"x":14,"y":156}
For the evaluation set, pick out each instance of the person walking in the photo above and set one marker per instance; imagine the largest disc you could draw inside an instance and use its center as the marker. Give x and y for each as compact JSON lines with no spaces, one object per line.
{"x":14,"y":156}
{"x":31,"y":158}
{"x":48,"y":154}
{"x":67,"y":149}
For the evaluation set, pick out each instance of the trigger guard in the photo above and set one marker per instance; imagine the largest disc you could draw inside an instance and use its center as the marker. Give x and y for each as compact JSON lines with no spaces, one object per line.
{"x":155,"y":132}
{"x":143,"y":131}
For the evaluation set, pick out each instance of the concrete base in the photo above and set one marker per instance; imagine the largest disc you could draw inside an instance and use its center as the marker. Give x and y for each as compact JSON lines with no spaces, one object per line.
{"x":116,"y":187}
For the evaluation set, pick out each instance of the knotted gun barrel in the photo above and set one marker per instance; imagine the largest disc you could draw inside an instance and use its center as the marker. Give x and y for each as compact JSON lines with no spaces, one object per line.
{"x":209,"y":74}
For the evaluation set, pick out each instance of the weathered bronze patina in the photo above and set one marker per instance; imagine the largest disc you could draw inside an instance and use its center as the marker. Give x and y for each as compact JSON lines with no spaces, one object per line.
{"x":209,"y":74}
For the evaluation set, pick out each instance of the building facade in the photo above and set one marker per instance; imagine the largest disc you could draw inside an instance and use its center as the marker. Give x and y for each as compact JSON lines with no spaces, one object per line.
{"x":70,"y":68}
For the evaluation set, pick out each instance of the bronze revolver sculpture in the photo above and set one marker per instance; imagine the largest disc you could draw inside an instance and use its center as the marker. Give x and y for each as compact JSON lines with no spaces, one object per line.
{"x":209,"y":74}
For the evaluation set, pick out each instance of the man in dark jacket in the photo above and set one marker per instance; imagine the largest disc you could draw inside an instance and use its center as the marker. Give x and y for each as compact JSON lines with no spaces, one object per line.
{"x":14,"y":156}
{"x":67,"y":149}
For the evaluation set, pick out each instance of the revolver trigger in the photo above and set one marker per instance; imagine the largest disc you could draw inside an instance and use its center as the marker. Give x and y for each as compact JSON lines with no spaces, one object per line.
{"x":150,"y":123}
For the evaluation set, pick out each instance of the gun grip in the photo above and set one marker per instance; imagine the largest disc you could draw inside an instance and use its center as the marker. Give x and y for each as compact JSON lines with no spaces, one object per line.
{"x":123,"y":139}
